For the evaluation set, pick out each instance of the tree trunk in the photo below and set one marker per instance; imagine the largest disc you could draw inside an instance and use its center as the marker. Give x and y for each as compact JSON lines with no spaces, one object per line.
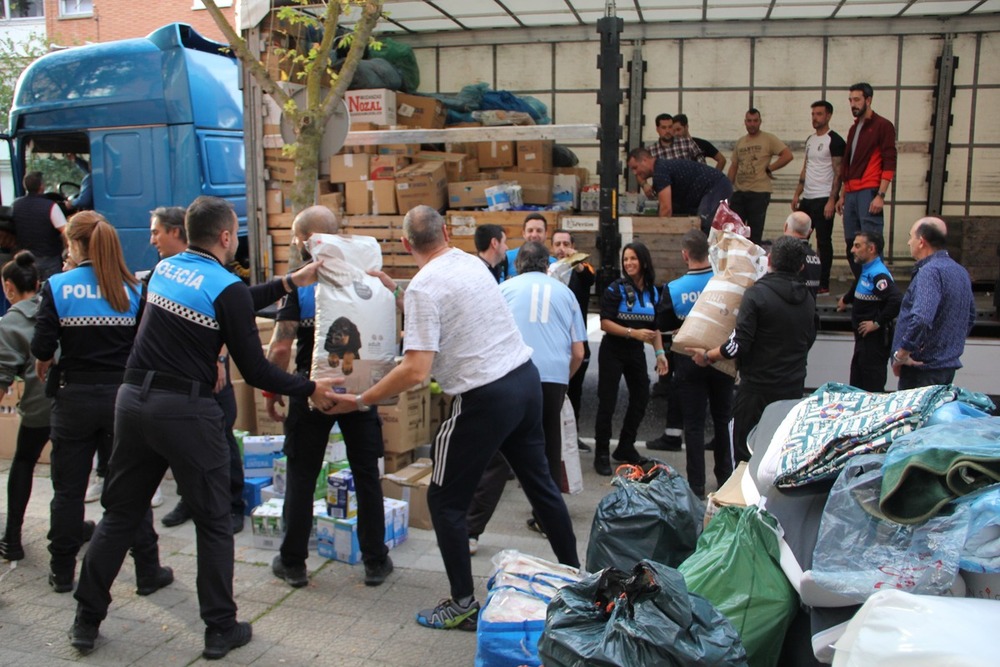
{"x":306,"y":165}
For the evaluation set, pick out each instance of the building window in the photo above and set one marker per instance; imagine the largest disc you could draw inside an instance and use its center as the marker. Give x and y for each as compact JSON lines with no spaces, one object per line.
{"x":76,"y":7}
{"x":22,"y":9}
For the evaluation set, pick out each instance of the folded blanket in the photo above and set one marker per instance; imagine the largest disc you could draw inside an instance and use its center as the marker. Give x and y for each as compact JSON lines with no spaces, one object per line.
{"x":837,"y":422}
{"x":926,"y":469}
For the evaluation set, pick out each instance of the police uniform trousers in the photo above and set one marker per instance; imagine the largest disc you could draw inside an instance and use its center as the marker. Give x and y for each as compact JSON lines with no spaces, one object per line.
{"x":696,"y":386}
{"x":227,"y":399}
{"x":618,"y":357}
{"x":870,"y":360}
{"x":307,"y":433}
{"x":156,"y":428}
{"x":83,"y":418}
{"x":506,"y":416}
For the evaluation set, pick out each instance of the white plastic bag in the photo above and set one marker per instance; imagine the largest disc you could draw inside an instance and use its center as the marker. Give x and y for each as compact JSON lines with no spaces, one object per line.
{"x":897,"y":629}
{"x":572,"y":475}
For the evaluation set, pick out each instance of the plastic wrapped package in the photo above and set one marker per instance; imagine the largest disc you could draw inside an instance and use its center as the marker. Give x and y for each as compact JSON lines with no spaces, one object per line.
{"x":859,"y":551}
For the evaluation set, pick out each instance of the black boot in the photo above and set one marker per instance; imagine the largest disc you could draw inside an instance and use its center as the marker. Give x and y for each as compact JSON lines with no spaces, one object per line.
{"x":627,"y":453}
{"x":602,"y":461}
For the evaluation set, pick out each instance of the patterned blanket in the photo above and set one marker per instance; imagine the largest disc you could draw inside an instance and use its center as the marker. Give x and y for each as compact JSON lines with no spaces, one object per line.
{"x":837,"y":422}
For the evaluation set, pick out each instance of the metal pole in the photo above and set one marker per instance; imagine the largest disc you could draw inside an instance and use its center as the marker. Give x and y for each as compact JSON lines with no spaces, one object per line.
{"x":947,"y":63}
{"x":609,"y":167}
{"x":636,"y":96}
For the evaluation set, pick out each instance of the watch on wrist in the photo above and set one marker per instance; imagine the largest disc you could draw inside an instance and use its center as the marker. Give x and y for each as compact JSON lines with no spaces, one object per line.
{"x":361,"y":405}
{"x":882,"y":195}
{"x":223,"y":358}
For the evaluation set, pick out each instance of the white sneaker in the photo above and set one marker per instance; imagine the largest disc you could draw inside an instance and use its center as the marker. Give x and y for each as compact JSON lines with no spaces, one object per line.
{"x":473,"y":546}
{"x":94,"y":491}
{"x":157,"y":498}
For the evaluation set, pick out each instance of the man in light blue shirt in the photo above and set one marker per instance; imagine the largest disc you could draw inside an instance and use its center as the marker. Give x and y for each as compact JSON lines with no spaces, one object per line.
{"x":548,"y":316}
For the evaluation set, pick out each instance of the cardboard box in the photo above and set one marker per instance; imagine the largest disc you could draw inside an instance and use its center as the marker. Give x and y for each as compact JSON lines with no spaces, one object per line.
{"x":395,"y":461}
{"x":400,"y":519}
{"x":411,"y":484}
{"x":385,"y":167}
{"x":373,"y":105}
{"x":252,"y":488}
{"x":280,"y":169}
{"x":280,"y":220}
{"x":274,"y":201}
{"x":406,"y":424}
{"x":341,"y":498}
{"x":440,"y":411}
{"x":370,"y":197}
{"x":420,"y":111}
{"x":422,"y":183}
{"x":246,"y":407}
{"x":535,"y":188}
{"x":456,"y":164}
{"x":565,"y":191}
{"x":495,"y":154}
{"x":362,"y":127}
{"x":259,"y":453}
{"x":349,"y":167}
{"x":469,"y":194}
{"x":333,"y":201}
{"x":534,"y":156}
{"x":270,"y":493}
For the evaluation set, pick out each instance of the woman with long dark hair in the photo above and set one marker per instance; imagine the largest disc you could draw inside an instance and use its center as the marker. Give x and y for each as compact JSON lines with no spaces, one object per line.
{"x":628,"y":320}
{"x":89,"y":313}
{"x":20,"y":286}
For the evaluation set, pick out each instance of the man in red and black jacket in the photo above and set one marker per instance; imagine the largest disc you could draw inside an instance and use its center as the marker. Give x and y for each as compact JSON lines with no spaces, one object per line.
{"x":866,"y":170}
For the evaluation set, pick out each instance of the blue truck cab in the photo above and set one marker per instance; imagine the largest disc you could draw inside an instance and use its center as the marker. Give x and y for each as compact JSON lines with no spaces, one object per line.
{"x":159,"y":119}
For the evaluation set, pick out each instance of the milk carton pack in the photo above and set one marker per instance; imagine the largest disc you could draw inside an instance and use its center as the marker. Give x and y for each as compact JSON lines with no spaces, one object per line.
{"x":341,"y":499}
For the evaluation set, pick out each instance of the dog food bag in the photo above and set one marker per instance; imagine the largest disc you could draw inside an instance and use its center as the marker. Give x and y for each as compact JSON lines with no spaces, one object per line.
{"x":355,"y":313}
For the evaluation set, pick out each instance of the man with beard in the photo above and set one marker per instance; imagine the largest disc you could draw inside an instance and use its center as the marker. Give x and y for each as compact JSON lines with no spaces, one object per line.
{"x":867,"y":169}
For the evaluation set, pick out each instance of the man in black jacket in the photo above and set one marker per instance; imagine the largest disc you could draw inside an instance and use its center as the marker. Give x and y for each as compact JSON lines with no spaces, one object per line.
{"x":775,"y":329}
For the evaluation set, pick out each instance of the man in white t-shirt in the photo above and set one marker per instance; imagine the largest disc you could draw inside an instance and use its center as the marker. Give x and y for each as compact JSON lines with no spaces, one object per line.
{"x":819,"y":185}
{"x":474,"y":349}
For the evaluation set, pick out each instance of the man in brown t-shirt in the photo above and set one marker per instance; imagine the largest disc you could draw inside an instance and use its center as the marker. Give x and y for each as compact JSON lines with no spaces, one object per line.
{"x":756,"y":156}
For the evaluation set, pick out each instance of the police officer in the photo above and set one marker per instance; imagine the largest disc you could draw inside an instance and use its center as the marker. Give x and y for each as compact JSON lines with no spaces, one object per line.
{"x":628,"y":319}
{"x":167,"y":235}
{"x":876,"y":301}
{"x":166,"y":414}
{"x":696,"y":385}
{"x":307,"y":433}
{"x":90,"y":313}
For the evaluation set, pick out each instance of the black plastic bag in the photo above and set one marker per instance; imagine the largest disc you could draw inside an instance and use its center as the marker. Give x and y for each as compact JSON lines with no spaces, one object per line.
{"x":655,"y":516}
{"x":640,"y":618}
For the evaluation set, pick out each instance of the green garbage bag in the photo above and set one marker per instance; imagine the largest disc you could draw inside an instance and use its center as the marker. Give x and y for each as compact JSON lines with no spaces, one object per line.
{"x":654,"y":516}
{"x":642,"y":618}
{"x":736,"y":568}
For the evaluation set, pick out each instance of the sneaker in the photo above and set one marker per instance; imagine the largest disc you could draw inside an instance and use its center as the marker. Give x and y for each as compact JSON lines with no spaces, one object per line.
{"x":535,"y":526}
{"x":61,"y":583}
{"x":87,"y":531}
{"x":473,"y":546}
{"x":237,"y":522}
{"x":582,"y":446}
{"x":157,"y":498}
{"x":295,"y":576}
{"x":449,"y":615}
{"x":218,"y":643}
{"x":665,"y":443}
{"x":376,"y":573}
{"x":83,"y":635}
{"x":94,"y":491}
{"x":178,"y":515}
{"x":11,"y":550}
{"x":147,"y":586}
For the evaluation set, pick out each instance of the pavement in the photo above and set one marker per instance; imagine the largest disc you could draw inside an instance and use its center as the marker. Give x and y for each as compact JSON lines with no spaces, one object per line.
{"x":335,"y":620}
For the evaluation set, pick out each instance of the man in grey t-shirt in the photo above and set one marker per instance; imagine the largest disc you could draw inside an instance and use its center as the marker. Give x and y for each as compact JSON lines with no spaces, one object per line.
{"x":497,"y":405}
